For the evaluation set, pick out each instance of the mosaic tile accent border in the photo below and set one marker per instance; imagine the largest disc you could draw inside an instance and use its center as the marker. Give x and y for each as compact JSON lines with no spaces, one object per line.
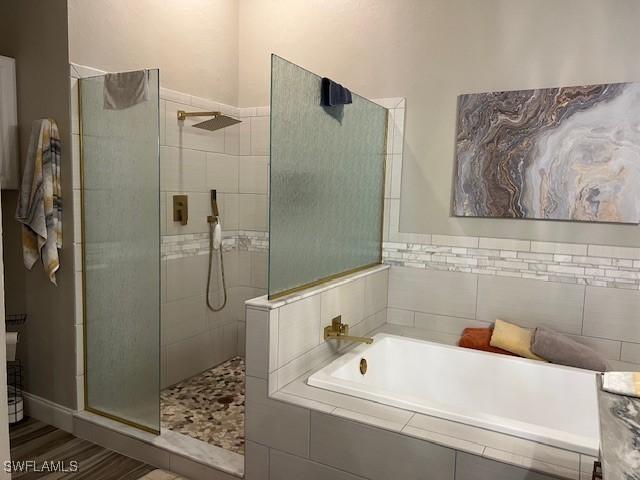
{"x":582,"y":269}
{"x":187,"y":245}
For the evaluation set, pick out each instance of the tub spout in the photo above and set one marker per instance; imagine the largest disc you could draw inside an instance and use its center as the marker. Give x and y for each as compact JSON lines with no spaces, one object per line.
{"x":340,"y":331}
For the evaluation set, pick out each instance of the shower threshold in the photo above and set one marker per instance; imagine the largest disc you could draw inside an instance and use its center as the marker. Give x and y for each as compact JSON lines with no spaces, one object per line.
{"x":170,"y":450}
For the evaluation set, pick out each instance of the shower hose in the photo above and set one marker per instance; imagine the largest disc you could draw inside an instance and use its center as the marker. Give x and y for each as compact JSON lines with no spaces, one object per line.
{"x":224,"y":286}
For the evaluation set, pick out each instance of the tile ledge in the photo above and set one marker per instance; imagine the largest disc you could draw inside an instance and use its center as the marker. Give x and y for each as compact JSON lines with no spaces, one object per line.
{"x":262,"y":303}
{"x":529,"y":463}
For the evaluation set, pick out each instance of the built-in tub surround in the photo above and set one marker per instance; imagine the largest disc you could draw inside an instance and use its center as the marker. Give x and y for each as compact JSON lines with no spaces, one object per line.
{"x":294,"y":427}
{"x":511,"y":395}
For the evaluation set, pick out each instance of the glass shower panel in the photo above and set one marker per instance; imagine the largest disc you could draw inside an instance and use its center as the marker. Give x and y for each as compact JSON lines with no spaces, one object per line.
{"x":326,"y":182}
{"x":121,"y":255}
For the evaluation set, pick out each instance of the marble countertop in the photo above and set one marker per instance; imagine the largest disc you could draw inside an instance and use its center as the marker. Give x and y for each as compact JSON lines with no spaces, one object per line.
{"x":619,"y":435}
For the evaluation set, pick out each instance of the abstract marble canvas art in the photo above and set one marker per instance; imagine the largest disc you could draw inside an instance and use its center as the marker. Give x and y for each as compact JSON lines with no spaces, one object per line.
{"x":570,"y":153}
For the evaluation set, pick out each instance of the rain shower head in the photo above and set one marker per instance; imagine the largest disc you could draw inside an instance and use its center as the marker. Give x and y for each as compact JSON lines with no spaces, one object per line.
{"x":219,"y":120}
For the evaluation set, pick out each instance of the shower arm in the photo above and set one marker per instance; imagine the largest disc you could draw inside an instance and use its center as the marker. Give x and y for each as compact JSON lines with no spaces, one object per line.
{"x":183,"y":115}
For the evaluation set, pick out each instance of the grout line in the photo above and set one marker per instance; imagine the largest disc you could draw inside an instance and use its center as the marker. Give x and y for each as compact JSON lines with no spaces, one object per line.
{"x":413,"y":414}
{"x":477,"y":295}
{"x":584,"y":302}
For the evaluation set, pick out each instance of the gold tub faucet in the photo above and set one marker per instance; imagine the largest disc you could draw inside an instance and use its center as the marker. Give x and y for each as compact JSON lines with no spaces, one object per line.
{"x":340,"y":331}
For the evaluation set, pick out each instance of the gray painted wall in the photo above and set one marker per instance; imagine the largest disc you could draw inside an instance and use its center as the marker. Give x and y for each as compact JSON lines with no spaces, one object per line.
{"x":35,"y":34}
{"x":430,"y":51}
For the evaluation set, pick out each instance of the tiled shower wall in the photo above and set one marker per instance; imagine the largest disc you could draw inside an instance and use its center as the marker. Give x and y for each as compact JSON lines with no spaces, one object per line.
{"x":234,"y":161}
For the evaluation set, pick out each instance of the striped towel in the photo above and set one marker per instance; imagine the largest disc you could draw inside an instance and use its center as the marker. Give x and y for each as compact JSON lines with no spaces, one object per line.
{"x":40,"y":203}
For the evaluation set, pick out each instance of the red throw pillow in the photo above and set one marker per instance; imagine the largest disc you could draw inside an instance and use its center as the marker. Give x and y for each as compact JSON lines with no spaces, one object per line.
{"x":479,"y":339}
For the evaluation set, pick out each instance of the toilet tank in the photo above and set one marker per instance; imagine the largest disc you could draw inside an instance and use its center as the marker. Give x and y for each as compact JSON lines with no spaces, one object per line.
{"x":9,"y":164}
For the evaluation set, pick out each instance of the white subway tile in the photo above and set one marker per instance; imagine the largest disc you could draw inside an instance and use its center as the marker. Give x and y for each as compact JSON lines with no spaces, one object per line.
{"x":232,"y":140}
{"x":345,"y":300}
{"x":565,"y":270}
{"x":269,"y":422}
{"x":398,"y":132}
{"x":368,"y":419}
{"x":394,"y":218}
{"x":287,"y":467}
{"x":562,"y":248}
{"x":254,"y":176}
{"x":396,"y":175}
{"x":491,"y":439}
{"x":298,"y":328}
{"x":259,"y":269}
{"x":528,"y":463}
{"x":188,"y":357}
{"x":530,"y":303}
{"x":245,"y":136}
{"x":375,"y":292}
{"x":397,"y":316}
{"x":356,"y":448}
{"x":454,"y":241}
{"x":257,"y":461}
{"x":182,"y":319}
{"x":182,"y":169}
{"x":260,"y":135}
{"x":444,"y":440}
{"x":612,"y":313}
{"x":162,"y":114}
{"x":257,"y":355}
{"x":609,"y":349}
{"x":253,"y":212}
{"x":442,"y":293}
{"x":75,"y":157}
{"x":630,"y":352}
{"x":444,"y":324}
{"x":390,"y":132}
{"x":222,"y":172}
{"x":504,"y":244}
{"x":615,"y":252}
{"x":75,"y":108}
{"x":186,"y":277}
{"x":229,"y":205}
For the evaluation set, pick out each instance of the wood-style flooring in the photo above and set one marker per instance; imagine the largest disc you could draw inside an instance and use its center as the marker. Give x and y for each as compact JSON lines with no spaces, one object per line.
{"x":39,"y":451}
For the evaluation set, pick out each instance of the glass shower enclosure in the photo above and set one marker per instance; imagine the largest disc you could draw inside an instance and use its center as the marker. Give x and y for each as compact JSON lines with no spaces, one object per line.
{"x":326,"y":182}
{"x":121,"y":255}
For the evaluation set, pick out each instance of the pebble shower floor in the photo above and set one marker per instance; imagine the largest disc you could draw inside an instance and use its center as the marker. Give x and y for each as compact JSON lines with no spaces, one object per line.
{"x":209,"y":406}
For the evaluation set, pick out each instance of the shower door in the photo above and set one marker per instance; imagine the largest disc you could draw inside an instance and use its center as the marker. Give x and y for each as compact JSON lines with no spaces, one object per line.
{"x":121,"y":255}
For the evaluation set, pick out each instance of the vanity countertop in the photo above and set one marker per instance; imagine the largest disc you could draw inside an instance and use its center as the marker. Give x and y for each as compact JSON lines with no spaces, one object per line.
{"x":619,"y":435}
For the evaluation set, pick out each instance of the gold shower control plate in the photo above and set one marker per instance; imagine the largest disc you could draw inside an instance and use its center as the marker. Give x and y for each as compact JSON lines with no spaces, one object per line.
{"x":181,"y":209}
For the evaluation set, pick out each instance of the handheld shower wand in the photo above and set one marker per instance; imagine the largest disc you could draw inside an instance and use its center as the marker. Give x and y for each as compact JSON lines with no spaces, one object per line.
{"x":215,"y":243}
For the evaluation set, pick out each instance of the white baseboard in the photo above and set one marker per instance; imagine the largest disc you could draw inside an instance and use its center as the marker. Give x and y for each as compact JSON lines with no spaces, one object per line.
{"x":48,"y":412}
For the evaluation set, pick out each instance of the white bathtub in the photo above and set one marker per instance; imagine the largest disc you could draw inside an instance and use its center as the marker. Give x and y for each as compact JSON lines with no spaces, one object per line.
{"x":534,"y":400}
